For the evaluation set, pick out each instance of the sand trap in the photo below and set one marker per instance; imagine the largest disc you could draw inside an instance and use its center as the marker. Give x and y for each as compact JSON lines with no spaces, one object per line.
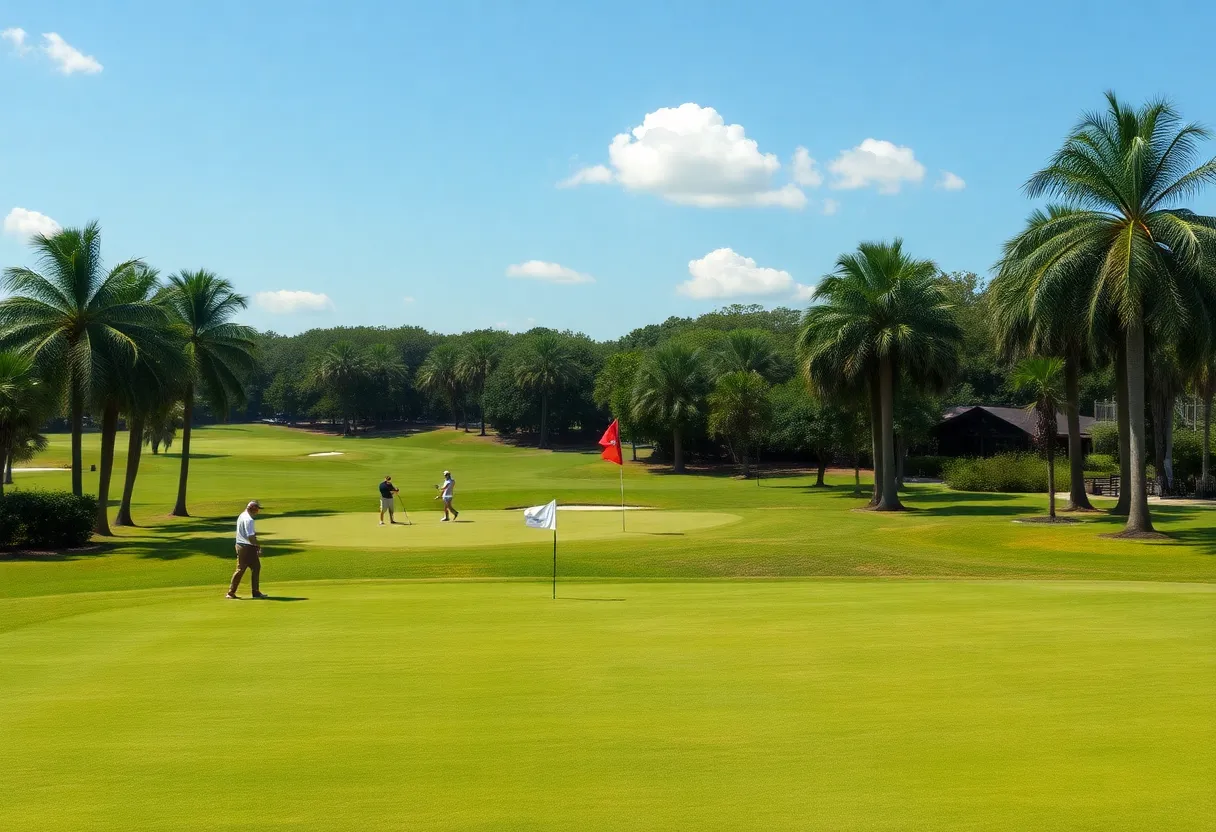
{"x":34,"y":470}
{"x":329,"y":453}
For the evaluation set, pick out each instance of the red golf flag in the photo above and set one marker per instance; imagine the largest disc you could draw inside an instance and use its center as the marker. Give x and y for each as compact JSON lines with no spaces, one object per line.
{"x":611,"y":443}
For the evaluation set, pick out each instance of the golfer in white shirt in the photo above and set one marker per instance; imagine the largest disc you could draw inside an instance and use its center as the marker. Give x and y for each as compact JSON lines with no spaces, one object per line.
{"x":248,"y":551}
{"x":449,"y":486}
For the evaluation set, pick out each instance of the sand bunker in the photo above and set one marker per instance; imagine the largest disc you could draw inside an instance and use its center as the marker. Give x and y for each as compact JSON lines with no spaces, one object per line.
{"x":328,"y":453}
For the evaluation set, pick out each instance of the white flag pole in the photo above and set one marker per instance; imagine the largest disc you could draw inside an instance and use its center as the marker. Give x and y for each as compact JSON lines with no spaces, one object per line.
{"x":622,"y":467}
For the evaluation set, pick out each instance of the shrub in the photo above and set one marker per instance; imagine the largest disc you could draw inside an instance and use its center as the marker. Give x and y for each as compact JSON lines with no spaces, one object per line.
{"x":1101,"y":464}
{"x":1016,"y":472}
{"x":925,"y":466}
{"x":1188,"y":454}
{"x":1106,"y":439}
{"x":46,"y":519}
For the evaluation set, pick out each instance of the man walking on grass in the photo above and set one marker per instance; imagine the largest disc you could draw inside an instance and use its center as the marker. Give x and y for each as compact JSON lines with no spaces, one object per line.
{"x":387,"y":490}
{"x":449,"y":485}
{"x":248,"y":551}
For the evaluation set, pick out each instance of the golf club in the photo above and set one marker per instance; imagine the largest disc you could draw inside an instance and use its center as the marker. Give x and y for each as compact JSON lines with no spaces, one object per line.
{"x":403,"y":509}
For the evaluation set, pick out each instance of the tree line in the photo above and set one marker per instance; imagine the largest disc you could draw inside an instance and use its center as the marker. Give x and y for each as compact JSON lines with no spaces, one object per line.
{"x":1109,"y":291}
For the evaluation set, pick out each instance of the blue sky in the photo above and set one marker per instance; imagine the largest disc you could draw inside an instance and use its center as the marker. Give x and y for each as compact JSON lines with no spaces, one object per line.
{"x":399,"y":159}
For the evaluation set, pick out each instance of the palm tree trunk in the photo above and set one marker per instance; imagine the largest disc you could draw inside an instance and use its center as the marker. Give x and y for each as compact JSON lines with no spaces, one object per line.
{"x":876,"y":437}
{"x":823,"y":469}
{"x":743,"y":460}
{"x":135,"y":446}
{"x":1123,"y":413}
{"x":1078,"y":500}
{"x":77,"y":431}
{"x":890,"y":493}
{"x":856,"y":472}
{"x":1139,"y":521}
{"x":1167,"y":458}
{"x":677,"y":450}
{"x":482,"y":407}
{"x":155,"y":447}
{"x":633,"y":445}
{"x":1206,"y":453}
{"x":1051,"y":472}
{"x":109,"y":431}
{"x":901,"y":454}
{"x":5,"y":459}
{"x":1158,"y":402}
{"x":8,"y":470}
{"x":544,"y":421}
{"x":179,"y":510}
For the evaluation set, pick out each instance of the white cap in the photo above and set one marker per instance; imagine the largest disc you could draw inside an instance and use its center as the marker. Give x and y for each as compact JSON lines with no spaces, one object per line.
{"x":447,"y":473}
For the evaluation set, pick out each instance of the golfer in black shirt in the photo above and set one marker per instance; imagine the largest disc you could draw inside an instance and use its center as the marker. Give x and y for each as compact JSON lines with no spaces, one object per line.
{"x":387,"y":490}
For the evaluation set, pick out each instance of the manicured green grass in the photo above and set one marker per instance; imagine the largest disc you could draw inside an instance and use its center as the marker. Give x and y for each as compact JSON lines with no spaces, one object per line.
{"x":732,"y":706}
{"x":1013,"y":677}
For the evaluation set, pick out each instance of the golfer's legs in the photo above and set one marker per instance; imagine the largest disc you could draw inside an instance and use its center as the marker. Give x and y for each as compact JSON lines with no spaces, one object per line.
{"x":236,"y":579}
{"x":255,"y":569}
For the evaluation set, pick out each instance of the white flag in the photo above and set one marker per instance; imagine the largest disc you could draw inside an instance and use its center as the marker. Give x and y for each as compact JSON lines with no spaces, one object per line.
{"x":542,"y":517}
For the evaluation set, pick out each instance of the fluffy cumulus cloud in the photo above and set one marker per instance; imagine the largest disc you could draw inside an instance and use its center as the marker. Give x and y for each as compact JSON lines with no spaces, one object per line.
{"x":293,"y":302}
{"x":724,"y":273}
{"x":21,"y":222}
{"x":689,"y":155}
{"x":68,"y":59}
{"x":877,"y":163}
{"x":805,"y":172}
{"x":951,"y":181}
{"x":548,"y":272}
{"x":16,"y":38}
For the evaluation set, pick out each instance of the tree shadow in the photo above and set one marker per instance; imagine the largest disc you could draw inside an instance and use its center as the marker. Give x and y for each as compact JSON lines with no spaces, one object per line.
{"x":212,"y":536}
{"x":193,"y":455}
{"x":60,"y":556}
{"x":968,"y":503}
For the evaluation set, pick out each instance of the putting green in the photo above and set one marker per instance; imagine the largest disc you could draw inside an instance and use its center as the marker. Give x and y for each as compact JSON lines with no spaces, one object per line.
{"x":478,"y":528}
{"x":651,"y":706}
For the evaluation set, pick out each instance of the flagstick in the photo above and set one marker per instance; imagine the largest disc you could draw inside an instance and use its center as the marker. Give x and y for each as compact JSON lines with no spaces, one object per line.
{"x":622,"y":467}
{"x":555,"y":564}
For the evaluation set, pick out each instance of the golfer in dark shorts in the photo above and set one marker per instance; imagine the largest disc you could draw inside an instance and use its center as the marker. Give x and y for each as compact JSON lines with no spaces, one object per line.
{"x":248,"y":551}
{"x":387,"y":490}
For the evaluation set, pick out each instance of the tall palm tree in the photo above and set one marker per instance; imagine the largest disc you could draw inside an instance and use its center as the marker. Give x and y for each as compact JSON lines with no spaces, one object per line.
{"x":343,"y":368}
{"x":1120,"y":176}
{"x":24,"y":404}
{"x":76,"y":319}
{"x":477,"y":360}
{"x":883,"y":314}
{"x":163,"y":422}
{"x":1043,"y":378}
{"x":438,"y":376}
{"x":670,"y":391}
{"x":542,"y":370}
{"x":386,"y":370}
{"x":1029,"y":323}
{"x":220,"y":353}
{"x":746,"y":351}
{"x":740,"y":409}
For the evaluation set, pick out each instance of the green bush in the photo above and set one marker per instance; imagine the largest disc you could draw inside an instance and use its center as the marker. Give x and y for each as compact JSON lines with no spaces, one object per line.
{"x":1101,"y":464}
{"x":46,"y":519}
{"x":1106,"y":439}
{"x":925,"y":466}
{"x":1016,"y":472}
{"x":1188,"y":454}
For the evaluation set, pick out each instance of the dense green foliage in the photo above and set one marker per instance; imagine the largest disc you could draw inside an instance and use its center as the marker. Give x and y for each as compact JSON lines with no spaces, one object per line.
{"x":1018,"y":473}
{"x":46,"y":519}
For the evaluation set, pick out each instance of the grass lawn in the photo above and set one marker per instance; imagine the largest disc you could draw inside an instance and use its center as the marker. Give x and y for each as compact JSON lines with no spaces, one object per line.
{"x":942,"y":669}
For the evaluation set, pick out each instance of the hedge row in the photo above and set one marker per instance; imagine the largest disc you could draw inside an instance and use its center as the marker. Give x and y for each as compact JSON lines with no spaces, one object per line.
{"x":1016,"y":472}
{"x":46,"y":519}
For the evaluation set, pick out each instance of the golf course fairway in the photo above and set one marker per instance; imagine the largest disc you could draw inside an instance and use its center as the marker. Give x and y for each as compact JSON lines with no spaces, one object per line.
{"x":391,"y":705}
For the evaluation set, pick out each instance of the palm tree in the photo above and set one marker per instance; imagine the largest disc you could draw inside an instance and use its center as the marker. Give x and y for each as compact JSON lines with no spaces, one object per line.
{"x":76,"y":320}
{"x":884,"y":315}
{"x":385,"y":369}
{"x":1044,"y":379}
{"x":739,"y":411}
{"x":438,"y":376}
{"x":343,"y":368}
{"x":1030,"y":322}
{"x":746,"y":351}
{"x":670,"y":391}
{"x":476,"y":362}
{"x":1205,"y":387}
{"x":220,"y":353}
{"x":24,"y":403}
{"x":1120,"y":242}
{"x":162,"y":424}
{"x":542,"y":370}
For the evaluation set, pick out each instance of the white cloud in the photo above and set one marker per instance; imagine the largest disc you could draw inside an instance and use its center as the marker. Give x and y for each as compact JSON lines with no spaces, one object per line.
{"x":594,"y":175}
{"x":548,"y":272}
{"x":830,"y":207}
{"x":15,"y":36}
{"x":407,"y":299}
{"x":951,"y":182}
{"x":724,"y":273}
{"x":24,"y":223}
{"x":690,"y":156}
{"x":289,"y":302}
{"x":876,"y":162}
{"x":68,"y":58}
{"x":805,"y":171}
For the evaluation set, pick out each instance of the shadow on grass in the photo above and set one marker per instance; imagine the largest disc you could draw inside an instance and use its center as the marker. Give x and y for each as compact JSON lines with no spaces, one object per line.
{"x":567,"y":598}
{"x":212,"y":536}
{"x":193,"y":456}
{"x":968,"y":504}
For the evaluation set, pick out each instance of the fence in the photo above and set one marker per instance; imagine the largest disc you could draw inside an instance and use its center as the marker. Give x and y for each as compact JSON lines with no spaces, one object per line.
{"x":1187,"y":409}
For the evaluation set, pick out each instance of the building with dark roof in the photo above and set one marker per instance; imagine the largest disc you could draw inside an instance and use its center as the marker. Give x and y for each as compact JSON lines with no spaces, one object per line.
{"x":979,"y":430}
